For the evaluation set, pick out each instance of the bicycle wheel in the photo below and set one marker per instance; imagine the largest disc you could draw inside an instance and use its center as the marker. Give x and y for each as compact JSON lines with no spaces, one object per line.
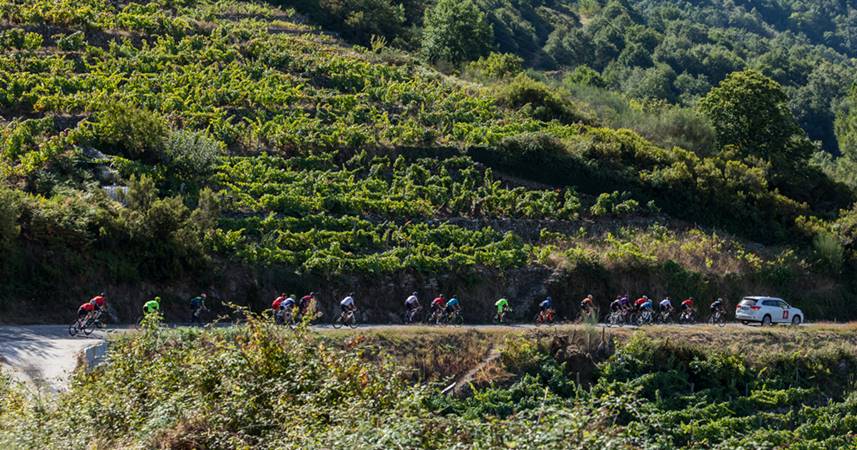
{"x":338,"y":322}
{"x":457,"y":320}
{"x":74,"y":328}
{"x":89,"y":326}
{"x":352,"y":321}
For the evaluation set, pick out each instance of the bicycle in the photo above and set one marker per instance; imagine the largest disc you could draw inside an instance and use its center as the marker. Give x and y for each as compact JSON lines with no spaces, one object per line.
{"x":412,"y":315}
{"x":545,"y":317}
{"x":664,"y":317}
{"x":615,"y":319}
{"x":87,"y":325}
{"x":687,"y":317}
{"x":435,"y":317}
{"x":453,"y":318}
{"x":500,"y":317}
{"x":717,"y":319}
{"x":644,"y":318}
{"x":346,"y":318}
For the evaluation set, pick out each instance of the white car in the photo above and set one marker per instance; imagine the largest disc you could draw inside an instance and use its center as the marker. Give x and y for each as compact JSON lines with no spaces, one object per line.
{"x":767,"y":311}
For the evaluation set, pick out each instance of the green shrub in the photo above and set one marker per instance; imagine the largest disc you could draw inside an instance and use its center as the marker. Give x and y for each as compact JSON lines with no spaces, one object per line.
{"x":538,"y":100}
{"x":130,"y":131}
{"x":495,"y":66}
{"x":192,"y":154}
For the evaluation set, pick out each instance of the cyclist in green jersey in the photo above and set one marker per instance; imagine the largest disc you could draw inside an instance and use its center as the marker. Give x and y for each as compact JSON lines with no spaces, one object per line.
{"x":502,"y":305}
{"x":152,"y":305}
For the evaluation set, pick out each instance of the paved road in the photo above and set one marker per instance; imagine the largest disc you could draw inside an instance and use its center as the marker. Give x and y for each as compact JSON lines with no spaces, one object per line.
{"x":44,"y":355}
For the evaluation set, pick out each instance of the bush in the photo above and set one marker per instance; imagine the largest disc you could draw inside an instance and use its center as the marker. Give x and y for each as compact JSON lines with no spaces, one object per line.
{"x":130,"y":131}
{"x":539,"y":101}
{"x":583,"y":75}
{"x":829,"y":251}
{"x":192,"y":154}
{"x":495,"y":66}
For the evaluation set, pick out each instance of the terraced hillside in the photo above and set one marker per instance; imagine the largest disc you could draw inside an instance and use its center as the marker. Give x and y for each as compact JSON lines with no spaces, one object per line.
{"x":177,"y":146}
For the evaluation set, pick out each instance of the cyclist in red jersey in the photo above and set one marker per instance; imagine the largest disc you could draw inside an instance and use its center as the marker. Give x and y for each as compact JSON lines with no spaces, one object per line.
{"x":275,"y":305}
{"x":99,"y":301}
{"x":438,"y":303}
{"x":85,"y":309}
{"x":687,"y":304}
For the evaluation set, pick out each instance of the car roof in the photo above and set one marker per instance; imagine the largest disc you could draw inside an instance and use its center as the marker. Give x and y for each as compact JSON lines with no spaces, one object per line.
{"x":762,"y":298}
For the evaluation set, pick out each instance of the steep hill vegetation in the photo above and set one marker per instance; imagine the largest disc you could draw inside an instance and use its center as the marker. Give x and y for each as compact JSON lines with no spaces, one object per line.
{"x":236,"y":147}
{"x":261,"y":386}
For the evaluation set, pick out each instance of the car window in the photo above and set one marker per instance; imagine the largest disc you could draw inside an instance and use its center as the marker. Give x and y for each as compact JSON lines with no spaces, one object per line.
{"x":748,"y":302}
{"x":769,"y":302}
{"x":784,"y":304}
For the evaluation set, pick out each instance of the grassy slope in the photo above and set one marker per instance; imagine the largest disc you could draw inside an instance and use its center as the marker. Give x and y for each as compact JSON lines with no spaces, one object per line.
{"x":323,"y":185}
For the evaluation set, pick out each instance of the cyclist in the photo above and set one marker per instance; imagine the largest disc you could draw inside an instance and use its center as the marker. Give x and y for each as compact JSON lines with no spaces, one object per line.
{"x":640,"y":301}
{"x":197,"y":306}
{"x":546,"y":310}
{"x":625,"y":303}
{"x":305,"y":302}
{"x":647,"y":305}
{"x":153,"y":305}
{"x":347,"y":304}
{"x":452,"y":305}
{"x":277,"y":304}
{"x":666,"y":305}
{"x":587,"y":305}
{"x":85,"y":310}
{"x":502,"y":305}
{"x":289,"y":303}
{"x":545,"y":305}
{"x":438,"y":303}
{"x":412,"y":305}
{"x":687,"y":308}
{"x":99,"y":301}
{"x":717,"y":306}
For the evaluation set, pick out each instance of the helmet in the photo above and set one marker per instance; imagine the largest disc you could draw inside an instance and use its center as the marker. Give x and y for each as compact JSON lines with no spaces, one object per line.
{"x":589,"y":296}
{"x":203,"y":295}
{"x":103,"y":294}
{"x":645,"y":297}
{"x":548,"y":299}
{"x":157,"y":299}
{"x":442,"y":296}
{"x":351,"y":294}
{"x":414,"y":293}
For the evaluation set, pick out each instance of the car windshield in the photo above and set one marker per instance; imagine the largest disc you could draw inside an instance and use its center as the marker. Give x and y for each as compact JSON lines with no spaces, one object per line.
{"x":748,"y":302}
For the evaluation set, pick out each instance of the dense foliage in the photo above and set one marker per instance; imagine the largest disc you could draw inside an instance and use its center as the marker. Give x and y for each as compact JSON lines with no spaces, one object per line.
{"x":257,"y":386}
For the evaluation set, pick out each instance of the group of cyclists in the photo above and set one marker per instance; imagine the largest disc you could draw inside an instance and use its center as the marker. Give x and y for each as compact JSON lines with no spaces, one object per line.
{"x":288,"y":309}
{"x":642,"y":311}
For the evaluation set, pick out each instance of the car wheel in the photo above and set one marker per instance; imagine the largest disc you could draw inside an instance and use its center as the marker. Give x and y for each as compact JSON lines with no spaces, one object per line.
{"x":766,"y":320}
{"x":796,"y":320}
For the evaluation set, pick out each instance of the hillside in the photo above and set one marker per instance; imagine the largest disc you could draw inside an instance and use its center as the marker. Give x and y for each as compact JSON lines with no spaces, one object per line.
{"x":239,"y":148}
{"x":261,"y":386}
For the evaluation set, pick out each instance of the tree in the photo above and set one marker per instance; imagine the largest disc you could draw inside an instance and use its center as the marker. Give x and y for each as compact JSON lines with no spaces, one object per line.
{"x":846,"y":125}
{"x":455,"y":31}
{"x":750,"y":111}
